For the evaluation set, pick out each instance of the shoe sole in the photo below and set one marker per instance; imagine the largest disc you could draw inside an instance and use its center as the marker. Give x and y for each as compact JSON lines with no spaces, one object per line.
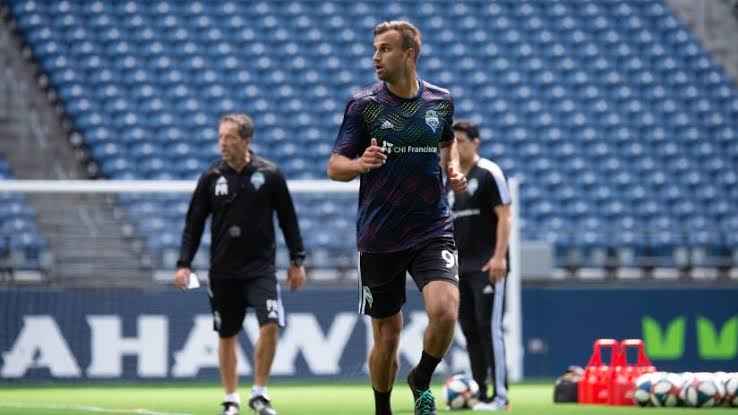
{"x":508,"y":408}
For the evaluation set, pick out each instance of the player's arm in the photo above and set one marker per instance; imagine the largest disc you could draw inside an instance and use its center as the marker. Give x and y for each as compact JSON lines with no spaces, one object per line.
{"x":197,"y":214}
{"x":449,"y":152}
{"x":497,"y":194}
{"x":497,"y":265}
{"x":450,"y":155}
{"x":450,"y":164}
{"x":353,"y":153}
{"x":291,"y":230}
{"x":344,"y":169}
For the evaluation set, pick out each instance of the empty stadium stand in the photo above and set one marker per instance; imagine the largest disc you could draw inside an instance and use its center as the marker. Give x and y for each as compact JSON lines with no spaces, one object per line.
{"x":623,"y":130}
{"x":24,"y":253}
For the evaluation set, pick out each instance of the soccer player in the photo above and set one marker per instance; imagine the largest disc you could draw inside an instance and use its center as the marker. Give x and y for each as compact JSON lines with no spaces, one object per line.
{"x":482,"y":221}
{"x":396,"y":135}
{"x":242,"y":192}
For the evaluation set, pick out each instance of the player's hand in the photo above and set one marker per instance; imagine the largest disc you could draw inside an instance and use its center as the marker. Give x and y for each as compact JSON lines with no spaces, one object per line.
{"x":373,"y":157}
{"x":295,"y":277}
{"x":496,"y":269}
{"x":456,"y":179}
{"x":182,"y":278}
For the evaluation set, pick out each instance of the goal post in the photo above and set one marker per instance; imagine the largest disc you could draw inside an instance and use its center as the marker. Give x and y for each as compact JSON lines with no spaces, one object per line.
{"x":514,"y":308}
{"x":153,"y":186}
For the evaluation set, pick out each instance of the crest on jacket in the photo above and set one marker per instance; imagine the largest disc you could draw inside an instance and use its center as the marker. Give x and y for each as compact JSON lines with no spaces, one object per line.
{"x":257,"y":179}
{"x":221,"y":187}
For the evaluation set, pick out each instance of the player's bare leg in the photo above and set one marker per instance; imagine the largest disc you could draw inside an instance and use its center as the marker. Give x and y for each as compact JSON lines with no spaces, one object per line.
{"x":264,"y":350}
{"x":442,"y":305}
{"x":227,"y":357}
{"x":383,"y":359}
{"x":266,"y":347}
{"x":228,"y":375}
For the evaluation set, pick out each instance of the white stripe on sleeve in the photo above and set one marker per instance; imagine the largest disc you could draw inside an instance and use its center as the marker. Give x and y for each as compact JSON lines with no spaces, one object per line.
{"x":496,"y":172}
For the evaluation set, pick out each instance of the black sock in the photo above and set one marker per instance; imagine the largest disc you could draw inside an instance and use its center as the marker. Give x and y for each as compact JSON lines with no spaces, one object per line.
{"x":424,"y":370}
{"x":382,"y":402}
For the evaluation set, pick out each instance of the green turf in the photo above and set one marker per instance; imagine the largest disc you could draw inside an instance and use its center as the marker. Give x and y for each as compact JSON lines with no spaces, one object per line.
{"x":289,"y":399}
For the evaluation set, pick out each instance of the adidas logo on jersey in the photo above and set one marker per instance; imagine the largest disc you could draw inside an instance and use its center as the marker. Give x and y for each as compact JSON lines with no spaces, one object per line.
{"x":386,"y":125}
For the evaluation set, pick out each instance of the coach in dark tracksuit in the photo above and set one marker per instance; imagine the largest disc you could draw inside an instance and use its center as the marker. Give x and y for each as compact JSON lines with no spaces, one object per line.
{"x":482,"y":222}
{"x":242,"y":192}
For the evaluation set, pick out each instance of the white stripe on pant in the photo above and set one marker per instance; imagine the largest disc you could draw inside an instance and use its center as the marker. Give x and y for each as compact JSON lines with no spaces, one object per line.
{"x":498,"y":341}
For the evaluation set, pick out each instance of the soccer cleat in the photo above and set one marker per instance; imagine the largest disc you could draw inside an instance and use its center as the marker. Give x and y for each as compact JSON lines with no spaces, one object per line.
{"x":425,"y":404}
{"x":492,"y":406}
{"x":230,"y":408}
{"x":261,"y":405}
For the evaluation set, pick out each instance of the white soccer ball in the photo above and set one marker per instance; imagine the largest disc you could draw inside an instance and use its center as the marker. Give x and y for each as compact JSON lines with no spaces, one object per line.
{"x":721,"y":378}
{"x":687,"y":377}
{"x":731,"y":390}
{"x":460,"y":392}
{"x":665,"y":390}
{"x":702,"y":391}
{"x":643,"y":388}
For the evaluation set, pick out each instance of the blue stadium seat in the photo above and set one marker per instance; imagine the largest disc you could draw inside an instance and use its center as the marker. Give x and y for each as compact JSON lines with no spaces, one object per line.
{"x":20,"y":238}
{"x":610,"y":110}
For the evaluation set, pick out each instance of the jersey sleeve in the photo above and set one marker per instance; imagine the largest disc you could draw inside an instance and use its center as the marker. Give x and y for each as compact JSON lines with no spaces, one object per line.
{"x":197,"y":214}
{"x":351,"y":140}
{"x":448,"y":121}
{"x":499,"y":191}
{"x":287,"y":217}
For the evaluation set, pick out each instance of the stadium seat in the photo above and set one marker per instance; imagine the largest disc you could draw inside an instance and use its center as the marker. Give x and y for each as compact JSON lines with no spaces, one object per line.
{"x":21,"y":242}
{"x":606,"y":110}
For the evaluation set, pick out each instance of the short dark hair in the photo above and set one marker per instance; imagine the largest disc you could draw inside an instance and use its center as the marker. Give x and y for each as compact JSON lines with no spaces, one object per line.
{"x":410,"y":34}
{"x":244,"y":123}
{"x":468,"y":127}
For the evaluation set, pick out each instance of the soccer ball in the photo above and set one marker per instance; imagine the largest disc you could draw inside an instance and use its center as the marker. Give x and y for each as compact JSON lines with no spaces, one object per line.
{"x":731,"y":390}
{"x":460,"y":391}
{"x":702,"y":391}
{"x":721,"y":379}
{"x":727,"y":384}
{"x":718,"y":378}
{"x":643,"y":386}
{"x":665,"y":390}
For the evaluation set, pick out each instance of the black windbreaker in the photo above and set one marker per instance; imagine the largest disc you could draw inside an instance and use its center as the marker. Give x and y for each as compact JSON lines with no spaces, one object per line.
{"x":242,"y":206}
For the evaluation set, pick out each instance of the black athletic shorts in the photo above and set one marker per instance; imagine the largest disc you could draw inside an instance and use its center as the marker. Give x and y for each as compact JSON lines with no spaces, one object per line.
{"x":229,"y":298}
{"x":382,"y":275}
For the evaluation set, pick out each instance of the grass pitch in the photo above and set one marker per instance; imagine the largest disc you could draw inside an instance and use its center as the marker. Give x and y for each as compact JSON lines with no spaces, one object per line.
{"x":288,"y":398}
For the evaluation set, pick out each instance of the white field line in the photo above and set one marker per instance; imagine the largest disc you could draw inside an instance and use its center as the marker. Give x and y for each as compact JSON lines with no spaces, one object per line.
{"x":85,"y":408}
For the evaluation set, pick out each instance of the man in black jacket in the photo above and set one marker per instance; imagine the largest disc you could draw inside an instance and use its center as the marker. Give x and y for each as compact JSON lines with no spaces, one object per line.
{"x":242,"y":192}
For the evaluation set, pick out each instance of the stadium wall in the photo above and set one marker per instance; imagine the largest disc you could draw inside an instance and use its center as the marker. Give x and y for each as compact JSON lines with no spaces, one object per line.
{"x":685,"y":329}
{"x":128,"y":335}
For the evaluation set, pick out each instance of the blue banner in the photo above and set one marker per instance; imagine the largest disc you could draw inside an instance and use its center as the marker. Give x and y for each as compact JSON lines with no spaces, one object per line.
{"x":168,"y":335}
{"x":73,"y":335}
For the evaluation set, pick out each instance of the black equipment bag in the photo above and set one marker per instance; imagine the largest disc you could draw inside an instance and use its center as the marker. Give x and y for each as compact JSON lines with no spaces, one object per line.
{"x":565,"y":390}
